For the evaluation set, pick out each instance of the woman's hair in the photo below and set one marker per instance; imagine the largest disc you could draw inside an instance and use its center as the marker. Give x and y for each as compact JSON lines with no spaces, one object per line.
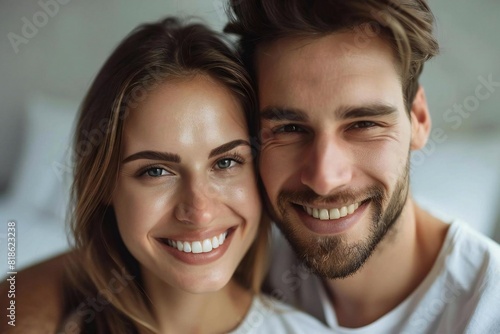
{"x":406,"y":24}
{"x":150,"y":55}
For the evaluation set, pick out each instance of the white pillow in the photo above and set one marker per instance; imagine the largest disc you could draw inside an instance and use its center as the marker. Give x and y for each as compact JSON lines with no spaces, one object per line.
{"x":44,"y":175}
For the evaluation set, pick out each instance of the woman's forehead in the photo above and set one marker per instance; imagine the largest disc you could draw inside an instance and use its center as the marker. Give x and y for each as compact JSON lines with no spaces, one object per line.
{"x":193,"y":111}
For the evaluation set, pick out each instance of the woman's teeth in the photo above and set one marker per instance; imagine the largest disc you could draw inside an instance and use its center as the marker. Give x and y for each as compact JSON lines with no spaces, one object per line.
{"x":331,"y":214}
{"x":196,"y":247}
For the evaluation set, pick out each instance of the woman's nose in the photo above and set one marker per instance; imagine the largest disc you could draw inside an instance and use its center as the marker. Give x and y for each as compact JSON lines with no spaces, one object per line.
{"x":198,"y":204}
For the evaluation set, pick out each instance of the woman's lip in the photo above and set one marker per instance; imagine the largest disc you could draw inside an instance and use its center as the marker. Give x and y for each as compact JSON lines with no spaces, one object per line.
{"x":329,"y":227}
{"x":198,"y":258}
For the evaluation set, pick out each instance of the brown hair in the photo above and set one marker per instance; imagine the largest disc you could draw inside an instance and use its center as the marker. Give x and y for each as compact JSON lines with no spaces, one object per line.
{"x":151,"y":54}
{"x":406,"y":24}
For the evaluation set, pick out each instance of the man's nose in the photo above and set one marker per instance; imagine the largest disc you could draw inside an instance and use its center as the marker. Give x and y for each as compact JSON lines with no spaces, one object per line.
{"x":197,"y":204}
{"x":327,"y":165}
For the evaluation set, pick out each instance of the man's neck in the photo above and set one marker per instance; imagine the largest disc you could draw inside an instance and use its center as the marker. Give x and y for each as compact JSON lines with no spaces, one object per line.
{"x":396,"y":268}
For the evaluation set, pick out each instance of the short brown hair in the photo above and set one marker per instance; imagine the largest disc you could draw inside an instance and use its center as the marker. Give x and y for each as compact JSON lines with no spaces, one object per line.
{"x":406,"y":24}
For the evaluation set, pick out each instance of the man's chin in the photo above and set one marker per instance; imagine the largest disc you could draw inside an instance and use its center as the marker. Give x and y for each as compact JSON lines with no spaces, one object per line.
{"x":328,"y":256}
{"x":335,"y":248}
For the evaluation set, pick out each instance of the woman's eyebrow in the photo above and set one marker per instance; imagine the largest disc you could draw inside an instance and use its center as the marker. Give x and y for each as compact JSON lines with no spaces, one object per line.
{"x":153,"y":155}
{"x":171,"y":157}
{"x":227,"y":147}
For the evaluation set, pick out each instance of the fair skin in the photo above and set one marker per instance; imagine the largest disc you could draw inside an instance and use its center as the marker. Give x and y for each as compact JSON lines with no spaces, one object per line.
{"x":199,"y":185}
{"x":334,"y":158}
{"x":210,"y":189}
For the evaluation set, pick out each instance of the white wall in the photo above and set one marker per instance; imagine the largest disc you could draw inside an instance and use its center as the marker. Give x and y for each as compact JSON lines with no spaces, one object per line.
{"x":63,"y":56}
{"x":65,"y":53}
{"x":468,"y":32}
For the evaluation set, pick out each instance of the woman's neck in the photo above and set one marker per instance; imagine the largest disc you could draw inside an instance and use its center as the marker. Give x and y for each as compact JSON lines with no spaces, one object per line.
{"x":178,"y":311}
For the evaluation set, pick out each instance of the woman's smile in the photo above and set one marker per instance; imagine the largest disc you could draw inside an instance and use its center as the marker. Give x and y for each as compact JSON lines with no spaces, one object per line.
{"x":186,"y":200}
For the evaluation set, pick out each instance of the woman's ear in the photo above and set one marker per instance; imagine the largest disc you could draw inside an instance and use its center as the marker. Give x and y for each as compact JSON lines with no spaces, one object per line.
{"x":420,"y":120}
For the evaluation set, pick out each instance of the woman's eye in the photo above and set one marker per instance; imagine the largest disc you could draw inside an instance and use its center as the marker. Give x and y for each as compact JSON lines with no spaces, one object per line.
{"x":156,"y":172}
{"x":225,"y":163}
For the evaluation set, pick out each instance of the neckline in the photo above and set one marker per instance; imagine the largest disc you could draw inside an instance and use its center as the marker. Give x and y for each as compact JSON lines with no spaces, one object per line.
{"x":329,"y":311}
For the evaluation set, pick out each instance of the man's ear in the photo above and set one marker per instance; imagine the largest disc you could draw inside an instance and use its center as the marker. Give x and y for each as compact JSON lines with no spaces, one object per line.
{"x":420,"y":120}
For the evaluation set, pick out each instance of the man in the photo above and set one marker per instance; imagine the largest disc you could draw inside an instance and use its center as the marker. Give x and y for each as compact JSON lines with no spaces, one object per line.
{"x":341,"y":109}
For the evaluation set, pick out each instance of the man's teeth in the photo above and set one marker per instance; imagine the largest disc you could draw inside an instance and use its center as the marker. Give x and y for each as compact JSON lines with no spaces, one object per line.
{"x":329,"y":214}
{"x":196,"y":247}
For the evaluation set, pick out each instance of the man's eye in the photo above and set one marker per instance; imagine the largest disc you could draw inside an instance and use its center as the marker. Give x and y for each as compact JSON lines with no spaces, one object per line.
{"x":225,"y":163}
{"x":289,"y":128}
{"x":156,"y":171}
{"x":363,"y":125}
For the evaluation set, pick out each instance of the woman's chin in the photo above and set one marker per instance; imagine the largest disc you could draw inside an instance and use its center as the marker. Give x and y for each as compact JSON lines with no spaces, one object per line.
{"x":202,"y":285}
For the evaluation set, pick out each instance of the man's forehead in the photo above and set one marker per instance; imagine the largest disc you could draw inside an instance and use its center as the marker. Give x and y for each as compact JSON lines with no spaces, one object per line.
{"x":323,"y":73}
{"x":328,"y":48}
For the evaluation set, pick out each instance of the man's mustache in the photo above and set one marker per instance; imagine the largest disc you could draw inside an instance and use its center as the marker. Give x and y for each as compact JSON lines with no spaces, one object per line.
{"x":308,"y":196}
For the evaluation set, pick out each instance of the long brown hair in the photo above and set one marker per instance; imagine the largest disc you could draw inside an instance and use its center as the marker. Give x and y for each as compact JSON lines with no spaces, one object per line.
{"x":406,"y":24}
{"x":151,"y":54}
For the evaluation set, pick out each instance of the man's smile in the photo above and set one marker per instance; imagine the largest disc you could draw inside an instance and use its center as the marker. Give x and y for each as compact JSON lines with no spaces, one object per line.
{"x":331,"y":213}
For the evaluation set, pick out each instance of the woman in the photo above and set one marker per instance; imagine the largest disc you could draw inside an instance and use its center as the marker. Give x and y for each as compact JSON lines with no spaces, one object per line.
{"x":167,"y":216}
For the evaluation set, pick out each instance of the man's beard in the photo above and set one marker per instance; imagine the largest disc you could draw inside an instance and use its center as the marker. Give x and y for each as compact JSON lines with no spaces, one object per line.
{"x":333,"y":256}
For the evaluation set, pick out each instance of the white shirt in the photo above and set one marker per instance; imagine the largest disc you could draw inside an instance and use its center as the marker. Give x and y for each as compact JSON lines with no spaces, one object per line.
{"x":269,"y":316}
{"x":461,"y":293}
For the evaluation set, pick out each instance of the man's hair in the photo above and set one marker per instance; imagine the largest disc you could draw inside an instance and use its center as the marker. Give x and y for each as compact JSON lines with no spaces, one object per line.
{"x":406,"y":24}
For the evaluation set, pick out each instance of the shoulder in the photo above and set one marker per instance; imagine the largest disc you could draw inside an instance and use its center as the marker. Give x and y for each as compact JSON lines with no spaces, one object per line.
{"x":290,"y":281}
{"x":268,"y":315}
{"x":472,"y":250}
{"x":471,"y":261}
{"x":39,"y":297}
{"x":472,"y":275}
{"x":287,"y":274}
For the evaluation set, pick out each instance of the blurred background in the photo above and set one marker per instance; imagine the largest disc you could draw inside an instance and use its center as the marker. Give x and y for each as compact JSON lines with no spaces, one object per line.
{"x":50,"y":51}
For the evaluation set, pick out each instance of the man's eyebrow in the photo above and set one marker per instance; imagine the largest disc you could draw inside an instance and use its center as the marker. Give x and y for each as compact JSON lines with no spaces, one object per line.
{"x":227,"y":147}
{"x":153,"y":155}
{"x":372,"y":110}
{"x":276,"y":113}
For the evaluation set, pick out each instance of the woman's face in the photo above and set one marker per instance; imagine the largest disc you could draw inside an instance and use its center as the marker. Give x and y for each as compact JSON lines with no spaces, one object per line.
{"x":186,"y":200}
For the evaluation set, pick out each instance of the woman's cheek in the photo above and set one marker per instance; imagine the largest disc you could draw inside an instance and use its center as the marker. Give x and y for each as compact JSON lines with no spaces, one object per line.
{"x":138,"y":209}
{"x":243,"y":196}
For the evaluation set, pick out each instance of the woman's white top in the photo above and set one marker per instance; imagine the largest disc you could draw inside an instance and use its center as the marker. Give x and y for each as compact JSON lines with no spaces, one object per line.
{"x":268,"y":315}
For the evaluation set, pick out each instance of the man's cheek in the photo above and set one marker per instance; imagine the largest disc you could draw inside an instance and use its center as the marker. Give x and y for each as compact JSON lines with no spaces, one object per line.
{"x":267,"y":170}
{"x":266,"y":135}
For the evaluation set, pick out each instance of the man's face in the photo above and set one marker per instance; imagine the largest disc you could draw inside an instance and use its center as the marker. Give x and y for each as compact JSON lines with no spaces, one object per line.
{"x":335,"y":146}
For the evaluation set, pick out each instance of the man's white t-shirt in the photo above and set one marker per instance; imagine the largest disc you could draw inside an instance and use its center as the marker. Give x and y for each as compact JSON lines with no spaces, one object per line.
{"x":461,"y":293}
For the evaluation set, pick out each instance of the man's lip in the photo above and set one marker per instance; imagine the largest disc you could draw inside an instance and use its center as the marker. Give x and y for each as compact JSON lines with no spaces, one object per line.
{"x":323,"y":205}
{"x":330,"y":227}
